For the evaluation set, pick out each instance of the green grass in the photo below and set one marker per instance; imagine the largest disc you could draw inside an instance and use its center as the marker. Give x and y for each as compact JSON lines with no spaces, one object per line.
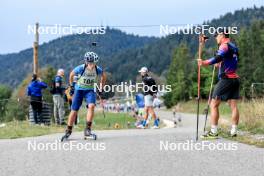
{"x":249,"y":140}
{"x":18,"y":129}
{"x":256,"y":130}
{"x":251,"y":119}
{"x":109,"y":122}
{"x":251,"y":114}
{"x":245,"y":138}
{"x":191,"y":107}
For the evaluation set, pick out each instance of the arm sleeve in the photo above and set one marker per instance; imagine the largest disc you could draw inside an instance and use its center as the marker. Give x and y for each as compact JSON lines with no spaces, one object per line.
{"x":78,"y":70}
{"x":28,"y":91}
{"x":58,"y":79}
{"x":219,"y":55}
{"x":43,"y":85}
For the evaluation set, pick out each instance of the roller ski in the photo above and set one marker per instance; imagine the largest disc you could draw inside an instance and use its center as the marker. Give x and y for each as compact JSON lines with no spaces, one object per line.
{"x":143,"y":125}
{"x":209,"y":136}
{"x":66,"y":135}
{"x":89,"y":135}
{"x":156,"y":124}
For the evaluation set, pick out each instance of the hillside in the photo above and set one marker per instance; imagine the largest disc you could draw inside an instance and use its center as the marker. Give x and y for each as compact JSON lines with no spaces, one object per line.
{"x":121,"y":54}
{"x":157,"y":56}
{"x":67,"y":52}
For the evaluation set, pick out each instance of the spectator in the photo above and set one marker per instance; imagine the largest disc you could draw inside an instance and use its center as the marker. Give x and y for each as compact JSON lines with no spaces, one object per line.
{"x":58,"y":94}
{"x":34,"y":90}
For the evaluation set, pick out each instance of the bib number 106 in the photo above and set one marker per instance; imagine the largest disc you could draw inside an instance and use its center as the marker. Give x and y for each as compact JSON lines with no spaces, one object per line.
{"x":88,"y":81}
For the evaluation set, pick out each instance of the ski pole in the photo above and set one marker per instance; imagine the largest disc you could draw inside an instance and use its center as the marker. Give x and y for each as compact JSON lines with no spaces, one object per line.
{"x":101,"y":102}
{"x":202,"y":39}
{"x":198,"y":104}
{"x":198,"y":97}
{"x":209,"y":98}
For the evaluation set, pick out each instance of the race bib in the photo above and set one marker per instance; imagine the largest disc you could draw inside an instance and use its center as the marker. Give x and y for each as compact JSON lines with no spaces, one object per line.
{"x":87,"y":80}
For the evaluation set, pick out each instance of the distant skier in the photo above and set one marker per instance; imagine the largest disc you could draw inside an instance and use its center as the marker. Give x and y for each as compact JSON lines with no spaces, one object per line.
{"x":140,"y":109}
{"x":174,"y":119}
{"x":150,"y":92}
{"x":177,"y":115}
{"x":87,"y":75}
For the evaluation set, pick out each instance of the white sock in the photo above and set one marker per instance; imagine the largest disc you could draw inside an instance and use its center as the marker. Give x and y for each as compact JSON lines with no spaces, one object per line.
{"x":233,"y":129}
{"x":214,"y":128}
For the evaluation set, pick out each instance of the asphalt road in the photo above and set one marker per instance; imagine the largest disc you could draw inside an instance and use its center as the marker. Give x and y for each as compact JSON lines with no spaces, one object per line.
{"x":131,"y":152}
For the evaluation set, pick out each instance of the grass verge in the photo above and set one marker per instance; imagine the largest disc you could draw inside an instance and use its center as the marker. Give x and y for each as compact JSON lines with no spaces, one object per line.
{"x":244,"y":137}
{"x":19,"y":129}
{"x":251,"y":122}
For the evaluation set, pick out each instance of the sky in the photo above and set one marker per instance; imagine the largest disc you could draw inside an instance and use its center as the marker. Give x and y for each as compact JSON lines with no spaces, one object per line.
{"x":17,"y":15}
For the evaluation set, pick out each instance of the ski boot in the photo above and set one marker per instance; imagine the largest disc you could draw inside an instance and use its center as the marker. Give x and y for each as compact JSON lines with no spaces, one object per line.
{"x":67,"y":134}
{"x":142,"y":125}
{"x":89,"y":135}
{"x":156,"y":124}
{"x":233,"y":133}
{"x":210,"y":135}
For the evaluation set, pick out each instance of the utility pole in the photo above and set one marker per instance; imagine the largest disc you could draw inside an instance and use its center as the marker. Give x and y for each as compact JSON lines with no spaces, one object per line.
{"x":35,"y":50}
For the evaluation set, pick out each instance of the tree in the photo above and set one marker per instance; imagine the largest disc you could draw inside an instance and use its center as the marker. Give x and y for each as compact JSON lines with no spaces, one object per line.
{"x":5,"y":94}
{"x":251,"y":56}
{"x":179,"y":76}
{"x":18,"y":106}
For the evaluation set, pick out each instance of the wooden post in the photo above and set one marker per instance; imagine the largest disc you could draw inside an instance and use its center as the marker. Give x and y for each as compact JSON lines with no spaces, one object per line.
{"x":35,"y":50}
{"x":132,"y":99}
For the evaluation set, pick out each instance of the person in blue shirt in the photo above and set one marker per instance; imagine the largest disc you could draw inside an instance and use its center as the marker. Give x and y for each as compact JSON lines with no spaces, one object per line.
{"x":140,"y":100}
{"x":34,"y":90}
{"x":83,"y":80}
{"x":140,"y":109}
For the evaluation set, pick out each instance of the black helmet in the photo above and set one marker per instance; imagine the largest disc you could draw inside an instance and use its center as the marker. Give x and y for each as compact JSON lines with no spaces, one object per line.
{"x":224,"y":31}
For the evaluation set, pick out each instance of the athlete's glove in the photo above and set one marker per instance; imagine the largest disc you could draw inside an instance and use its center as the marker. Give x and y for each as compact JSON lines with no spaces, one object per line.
{"x":72,"y":89}
{"x":101,"y":94}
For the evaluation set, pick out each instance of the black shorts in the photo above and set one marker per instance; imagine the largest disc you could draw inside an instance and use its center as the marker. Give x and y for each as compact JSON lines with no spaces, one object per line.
{"x":226,"y":89}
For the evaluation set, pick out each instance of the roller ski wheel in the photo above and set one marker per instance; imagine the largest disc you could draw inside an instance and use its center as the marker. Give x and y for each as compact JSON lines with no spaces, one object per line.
{"x":92,"y":136}
{"x":141,"y":127}
{"x":89,"y":135}
{"x":155,"y":127}
{"x":66,"y":135}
